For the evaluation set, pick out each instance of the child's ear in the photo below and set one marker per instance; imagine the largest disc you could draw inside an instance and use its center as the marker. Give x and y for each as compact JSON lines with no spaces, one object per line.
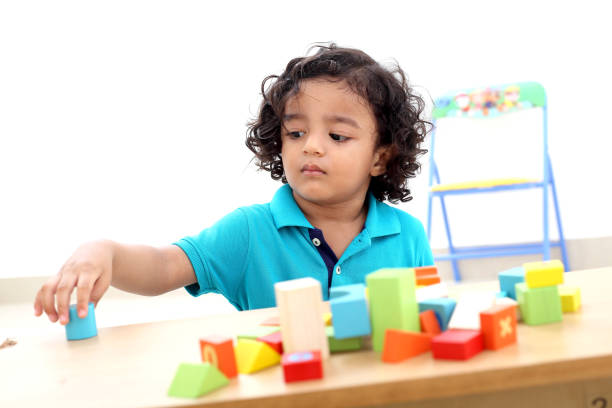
{"x":381,"y":157}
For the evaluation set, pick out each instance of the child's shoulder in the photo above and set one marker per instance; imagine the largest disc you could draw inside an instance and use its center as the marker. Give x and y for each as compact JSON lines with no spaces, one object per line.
{"x":408,"y":221}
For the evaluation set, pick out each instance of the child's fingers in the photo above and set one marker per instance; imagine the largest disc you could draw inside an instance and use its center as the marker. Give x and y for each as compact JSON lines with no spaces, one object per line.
{"x":47,"y":297}
{"x":62,"y":296}
{"x":99,"y":288}
{"x":84,"y":286}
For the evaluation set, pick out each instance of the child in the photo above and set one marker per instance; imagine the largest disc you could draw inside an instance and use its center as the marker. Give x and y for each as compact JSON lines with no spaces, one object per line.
{"x":343,"y":134}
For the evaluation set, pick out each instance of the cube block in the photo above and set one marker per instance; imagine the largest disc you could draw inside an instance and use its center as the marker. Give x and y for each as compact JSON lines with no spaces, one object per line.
{"x":498,"y":325}
{"x":509,"y":278}
{"x":570,"y":298}
{"x":539,"y":305}
{"x":350,"y":311}
{"x":219,"y":351}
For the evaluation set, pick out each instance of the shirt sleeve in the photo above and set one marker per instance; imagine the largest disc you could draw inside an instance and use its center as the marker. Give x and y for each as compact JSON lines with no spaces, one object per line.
{"x":219,"y":256}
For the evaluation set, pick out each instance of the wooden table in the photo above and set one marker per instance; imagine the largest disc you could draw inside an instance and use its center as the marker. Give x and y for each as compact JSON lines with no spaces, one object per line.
{"x":566,"y":364}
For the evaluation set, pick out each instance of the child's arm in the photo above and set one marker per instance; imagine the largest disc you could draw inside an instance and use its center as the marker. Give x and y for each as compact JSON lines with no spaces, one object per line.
{"x":96,"y":265}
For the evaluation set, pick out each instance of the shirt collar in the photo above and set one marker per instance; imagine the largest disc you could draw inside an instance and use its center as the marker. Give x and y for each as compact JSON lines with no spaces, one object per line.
{"x":381,"y":219}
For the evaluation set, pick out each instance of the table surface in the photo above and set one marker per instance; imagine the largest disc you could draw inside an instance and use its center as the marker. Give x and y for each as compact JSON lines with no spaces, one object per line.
{"x":133,"y":365}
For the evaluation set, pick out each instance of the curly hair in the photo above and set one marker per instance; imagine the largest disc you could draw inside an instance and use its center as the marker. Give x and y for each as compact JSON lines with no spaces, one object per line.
{"x":395,"y":106}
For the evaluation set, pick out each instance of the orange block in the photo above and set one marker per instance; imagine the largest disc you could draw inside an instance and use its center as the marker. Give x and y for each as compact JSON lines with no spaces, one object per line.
{"x":427,"y":280}
{"x":401,"y":344}
{"x":498,"y":325}
{"x":425,"y":271}
{"x":219,"y":351}
{"x":429,"y":322}
{"x":272,"y":321}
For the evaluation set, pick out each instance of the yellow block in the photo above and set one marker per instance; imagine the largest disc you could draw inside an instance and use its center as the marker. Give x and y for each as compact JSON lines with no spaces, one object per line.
{"x":253,"y":355}
{"x":545,"y":273}
{"x":327,"y":318}
{"x":570,"y":298}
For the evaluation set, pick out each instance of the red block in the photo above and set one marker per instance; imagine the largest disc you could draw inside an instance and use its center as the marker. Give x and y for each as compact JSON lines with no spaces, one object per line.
{"x":303,"y":365}
{"x":273,"y":340}
{"x":457,"y":344}
{"x":219,"y":351}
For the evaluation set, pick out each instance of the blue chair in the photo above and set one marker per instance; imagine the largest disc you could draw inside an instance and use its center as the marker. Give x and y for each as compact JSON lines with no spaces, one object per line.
{"x":482,"y":104}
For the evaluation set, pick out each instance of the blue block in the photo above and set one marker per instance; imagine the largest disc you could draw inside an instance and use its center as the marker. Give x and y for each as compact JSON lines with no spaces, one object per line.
{"x":349,"y":309}
{"x":77,"y":328}
{"x":443,"y":307}
{"x":508,"y":279}
{"x":501,"y":295}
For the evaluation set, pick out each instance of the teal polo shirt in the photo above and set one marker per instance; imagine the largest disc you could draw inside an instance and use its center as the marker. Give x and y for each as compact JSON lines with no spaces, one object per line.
{"x":245,"y":253}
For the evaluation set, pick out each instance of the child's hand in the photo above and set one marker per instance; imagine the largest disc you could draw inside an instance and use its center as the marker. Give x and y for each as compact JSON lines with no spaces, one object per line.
{"x":89,"y":269}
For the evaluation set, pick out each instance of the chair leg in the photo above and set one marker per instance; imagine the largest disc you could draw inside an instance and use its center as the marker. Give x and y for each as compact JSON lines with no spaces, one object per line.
{"x":546,"y":237}
{"x":451,"y":247}
{"x":429,"y":205}
{"x":558,"y":216}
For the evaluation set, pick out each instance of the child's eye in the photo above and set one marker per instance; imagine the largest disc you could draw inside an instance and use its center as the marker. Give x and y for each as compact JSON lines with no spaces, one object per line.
{"x":338,"y":138}
{"x":296,"y":134}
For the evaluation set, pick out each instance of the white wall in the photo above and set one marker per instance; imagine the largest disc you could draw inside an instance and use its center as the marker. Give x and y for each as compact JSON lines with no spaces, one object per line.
{"x":126,"y":119}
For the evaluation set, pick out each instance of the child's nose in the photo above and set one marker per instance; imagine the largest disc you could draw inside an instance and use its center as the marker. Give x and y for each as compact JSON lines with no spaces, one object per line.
{"x":314,"y":144}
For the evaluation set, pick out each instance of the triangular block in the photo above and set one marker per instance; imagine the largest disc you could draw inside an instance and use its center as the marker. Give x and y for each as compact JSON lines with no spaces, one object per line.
{"x":253,"y":355}
{"x":195,"y":380}
{"x":400,"y":345}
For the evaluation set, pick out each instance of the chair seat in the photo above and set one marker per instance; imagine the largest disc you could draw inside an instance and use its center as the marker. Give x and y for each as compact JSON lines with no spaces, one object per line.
{"x":466,"y":185}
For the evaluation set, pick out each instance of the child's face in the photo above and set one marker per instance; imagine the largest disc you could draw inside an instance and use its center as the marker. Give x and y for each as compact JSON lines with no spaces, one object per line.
{"x":328,"y":143}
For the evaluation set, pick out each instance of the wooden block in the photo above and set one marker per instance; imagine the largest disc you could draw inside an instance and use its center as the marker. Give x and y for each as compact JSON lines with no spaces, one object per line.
{"x":257,"y":331}
{"x":509,"y":278}
{"x":457,"y":344}
{"x":327,"y":317}
{"x":498,"y":325}
{"x":272,"y":321}
{"x":392,"y":302}
{"x":338,"y":345}
{"x":253,"y":355}
{"x":350,"y":311}
{"x":429,"y":322}
{"x":541,"y":274}
{"x":436,"y":291}
{"x":195,"y":380}
{"x":302,"y":366}
{"x":219,"y":351}
{"x":443,"y":307}
{"x":506,"y":301}
{"x":420,"y":271}
{"x":467,"y":312}
{"x":274,"y":340}
{"x":400,"y":345}
{"x":539,"y":305}
{"x":300,"y":305}
{"x":570,"y":298}
{"x":81,"y":328}
{"x":427,"y":280}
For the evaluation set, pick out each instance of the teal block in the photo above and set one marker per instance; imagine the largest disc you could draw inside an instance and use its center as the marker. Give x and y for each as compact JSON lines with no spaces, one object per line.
{"x":509,"y":278}
{"x":393,"y":302}
{"x":349,"y":310}
{"x":443,"y":307}
{"x":501,"y":295}
{"x":337,"y":345}
{"x":79,"y":329}
{"x":194,"y":380}
{"x":539,"y":305}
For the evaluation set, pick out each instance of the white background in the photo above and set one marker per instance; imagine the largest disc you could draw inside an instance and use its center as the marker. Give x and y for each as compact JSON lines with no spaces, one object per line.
{"x":126,"y":119}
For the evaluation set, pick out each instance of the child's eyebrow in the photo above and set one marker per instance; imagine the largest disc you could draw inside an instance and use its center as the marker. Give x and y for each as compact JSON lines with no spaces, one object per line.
{"x":327,"y":118}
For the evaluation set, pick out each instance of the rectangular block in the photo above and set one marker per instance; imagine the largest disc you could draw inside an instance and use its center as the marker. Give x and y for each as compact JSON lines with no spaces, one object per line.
{"x":545,"y":273}
{"x":420,"y":271}
{"x":349,"y":309}
{"x":427,"y":280}
{"x":509,"y":278}
{"x":539,"y":305}
{"x":429,"y":322}
{"x":301,"y":366}
{"x":300,"y":306}
{"x":468,"y":308}
{"x":392,"y":302}
{"x":339,"y":345}
{"x":457,"y":344}
{"x":436,"y":291}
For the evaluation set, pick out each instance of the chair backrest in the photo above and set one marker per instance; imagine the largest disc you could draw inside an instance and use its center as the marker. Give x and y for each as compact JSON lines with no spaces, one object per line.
{"x":513,"y":141}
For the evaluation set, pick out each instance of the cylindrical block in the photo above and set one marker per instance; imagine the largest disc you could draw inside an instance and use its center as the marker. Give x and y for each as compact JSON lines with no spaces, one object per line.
{"x":77,"y":328}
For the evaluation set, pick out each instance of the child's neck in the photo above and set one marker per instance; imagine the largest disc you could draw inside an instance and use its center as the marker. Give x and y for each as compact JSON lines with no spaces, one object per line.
{"x":349,"y":212}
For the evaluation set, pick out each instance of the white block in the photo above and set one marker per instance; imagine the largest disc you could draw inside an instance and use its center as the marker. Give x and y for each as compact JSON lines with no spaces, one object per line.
{"x":435,"y":291}
{"x":300,"y":307}
{"x":509,"y":301}
{"x":467,"y":311}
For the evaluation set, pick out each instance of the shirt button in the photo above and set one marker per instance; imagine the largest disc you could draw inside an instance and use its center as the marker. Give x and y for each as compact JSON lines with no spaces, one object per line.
{"x":316,"y":241}
{"x":338,"y":271}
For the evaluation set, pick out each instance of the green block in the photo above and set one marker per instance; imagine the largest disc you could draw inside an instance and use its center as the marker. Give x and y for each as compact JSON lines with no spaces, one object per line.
{"x":337,"y":345}
{"x":393,"y":305}
{"x":258,"y":331}
{"x":539,"y":305}
{"x":195,"y":380}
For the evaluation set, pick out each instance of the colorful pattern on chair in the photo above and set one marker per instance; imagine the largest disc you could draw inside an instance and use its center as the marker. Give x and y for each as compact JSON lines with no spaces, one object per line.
{"x":489,"y":102}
